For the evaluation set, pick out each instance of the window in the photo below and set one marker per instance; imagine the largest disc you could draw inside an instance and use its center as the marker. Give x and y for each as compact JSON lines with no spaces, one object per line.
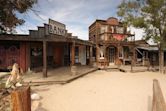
{"x":103,"y":29}
{"x":77,"y":54}
{"x":119,"y":30}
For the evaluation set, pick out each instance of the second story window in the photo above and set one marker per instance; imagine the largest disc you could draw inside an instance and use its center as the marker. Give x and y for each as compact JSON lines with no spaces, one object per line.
{"x":103,"y":29}
{"x":119,"y":30}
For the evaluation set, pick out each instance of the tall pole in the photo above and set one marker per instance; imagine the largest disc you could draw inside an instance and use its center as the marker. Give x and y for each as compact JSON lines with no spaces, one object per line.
{"x":133,"y":55}
{"x":73,"y":54}
{"x":90,"y":55}
{"x":44,"y":59}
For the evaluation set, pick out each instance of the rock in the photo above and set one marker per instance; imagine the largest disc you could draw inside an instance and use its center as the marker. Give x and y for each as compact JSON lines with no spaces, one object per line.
{"x":35,"y":96}
{"x":18,"y":84}
{"x":35,"y":105}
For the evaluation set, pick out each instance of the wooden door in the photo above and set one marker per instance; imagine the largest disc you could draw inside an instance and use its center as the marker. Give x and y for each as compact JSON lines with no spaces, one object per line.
{"x":9,"y":56}
{"x":112,"y":55}
{"x":12,"y":56}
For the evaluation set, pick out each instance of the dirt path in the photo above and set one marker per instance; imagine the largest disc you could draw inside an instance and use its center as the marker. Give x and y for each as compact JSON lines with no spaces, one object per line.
{"x":103,"y":91}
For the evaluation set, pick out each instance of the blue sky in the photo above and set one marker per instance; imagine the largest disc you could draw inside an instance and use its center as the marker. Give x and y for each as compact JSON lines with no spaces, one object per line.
{"x":76,"y":14}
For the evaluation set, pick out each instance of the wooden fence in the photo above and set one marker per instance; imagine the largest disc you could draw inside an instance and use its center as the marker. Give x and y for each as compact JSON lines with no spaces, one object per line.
{"x":158,"y":98}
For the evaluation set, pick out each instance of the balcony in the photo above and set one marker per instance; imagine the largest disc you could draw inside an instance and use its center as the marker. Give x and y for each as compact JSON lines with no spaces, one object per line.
{"x":115,"y":37}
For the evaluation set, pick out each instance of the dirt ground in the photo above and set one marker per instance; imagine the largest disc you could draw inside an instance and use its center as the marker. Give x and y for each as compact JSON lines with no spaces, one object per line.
{"x":102,"y":91}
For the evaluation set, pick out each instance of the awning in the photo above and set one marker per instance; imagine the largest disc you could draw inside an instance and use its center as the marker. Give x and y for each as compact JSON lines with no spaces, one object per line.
{"x":149,"y":48}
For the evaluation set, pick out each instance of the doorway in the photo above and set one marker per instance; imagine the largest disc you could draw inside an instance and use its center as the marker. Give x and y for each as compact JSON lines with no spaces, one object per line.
{"x":112,"y":55}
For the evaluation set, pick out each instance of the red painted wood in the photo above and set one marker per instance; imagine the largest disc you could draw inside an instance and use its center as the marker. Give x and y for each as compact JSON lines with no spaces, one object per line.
{"x":119,"y":36}
{"x":12,"y":55}
{"x":9,"y":55}
{"x":2,"y":57}
{"x":58,"y":56}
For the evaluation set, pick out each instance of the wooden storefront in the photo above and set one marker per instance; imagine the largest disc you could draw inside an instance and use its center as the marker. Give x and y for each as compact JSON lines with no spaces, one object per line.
{"x":32,"y":51}
{"x":13,"y":52}
{"x":113,"y":42}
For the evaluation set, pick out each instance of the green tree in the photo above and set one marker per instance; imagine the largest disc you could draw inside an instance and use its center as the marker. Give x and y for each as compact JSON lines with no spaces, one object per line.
{"x":150,"y":15}
{"x":8,"y":13}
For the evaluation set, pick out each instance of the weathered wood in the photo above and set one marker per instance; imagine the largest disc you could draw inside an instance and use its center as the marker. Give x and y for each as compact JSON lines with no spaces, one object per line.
{"x":44,"y":59}
{"x":158,"y":99}
{"x":21,"y":100}
{"x":90,"y":55}
{"x":134,"y":55}
{"x":97,"y":55}
{"x":73,"y":54}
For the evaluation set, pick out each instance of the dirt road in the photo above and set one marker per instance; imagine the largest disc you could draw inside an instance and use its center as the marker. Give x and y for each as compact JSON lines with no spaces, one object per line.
{"x":102,"y":91}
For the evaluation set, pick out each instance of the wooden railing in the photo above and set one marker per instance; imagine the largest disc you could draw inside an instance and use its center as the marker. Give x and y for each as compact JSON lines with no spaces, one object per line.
{"x":158,"y":99}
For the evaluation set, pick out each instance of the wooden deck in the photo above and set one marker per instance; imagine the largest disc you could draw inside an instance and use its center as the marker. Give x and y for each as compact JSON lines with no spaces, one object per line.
{"x":60,"y":75}
{"x":127,"y":68}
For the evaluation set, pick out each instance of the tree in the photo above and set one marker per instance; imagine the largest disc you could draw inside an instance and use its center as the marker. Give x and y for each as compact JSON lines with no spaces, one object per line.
{"x":150,"y":15}
{"x":8,"y":13}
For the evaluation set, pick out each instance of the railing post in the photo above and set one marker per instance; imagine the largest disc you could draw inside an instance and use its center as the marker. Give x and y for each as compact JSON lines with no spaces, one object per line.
{"x":158,"y":99}
{"x":20,"y":99}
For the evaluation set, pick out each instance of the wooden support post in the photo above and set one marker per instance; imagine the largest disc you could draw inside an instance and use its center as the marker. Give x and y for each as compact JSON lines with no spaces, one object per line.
{"x":44,"y":59}
{"x":131,"y":55}
{"x":90,"y":55}
{"x":73,"y":54}
{"x":21,"y":99}
{"x":134,"y":56}
{"x":105,"y":57}
{"x":28,"y":64}
{"x":158,"y":98}
{"x":118,"y":60}
{"x":97,"y":55}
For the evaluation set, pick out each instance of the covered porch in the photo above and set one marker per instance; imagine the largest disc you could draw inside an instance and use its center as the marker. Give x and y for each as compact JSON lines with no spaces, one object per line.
{"x":116,"y":54}
{"x":59,"y":75}
{"x":68,"y":53}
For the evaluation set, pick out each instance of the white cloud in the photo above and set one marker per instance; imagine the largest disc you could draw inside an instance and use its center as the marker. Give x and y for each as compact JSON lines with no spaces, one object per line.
{"x":24,"y":29}
{"x":76,"y":14}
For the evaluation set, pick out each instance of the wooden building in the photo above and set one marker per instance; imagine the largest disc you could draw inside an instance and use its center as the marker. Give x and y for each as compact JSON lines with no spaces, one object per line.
{"x":48,"y":46}
{"x":114,"y":44}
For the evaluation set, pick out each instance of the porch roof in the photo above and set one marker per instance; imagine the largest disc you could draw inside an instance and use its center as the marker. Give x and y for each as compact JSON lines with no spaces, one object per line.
{"x":48,"y":38}
{"x":148,"y":48}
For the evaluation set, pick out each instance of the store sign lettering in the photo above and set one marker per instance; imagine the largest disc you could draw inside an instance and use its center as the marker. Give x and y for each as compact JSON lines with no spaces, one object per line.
{"x":56,"y":28}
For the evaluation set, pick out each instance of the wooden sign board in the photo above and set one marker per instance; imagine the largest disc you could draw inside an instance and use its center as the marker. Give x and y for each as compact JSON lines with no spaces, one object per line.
{"x":56,"y":28}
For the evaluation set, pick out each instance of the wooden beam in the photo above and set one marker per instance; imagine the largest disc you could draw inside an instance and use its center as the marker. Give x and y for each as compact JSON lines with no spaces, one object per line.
{"x":21,"y":99}
{"x":158,"y":98}
{"x":97,"y":55}
{"x":134,"y":55}
{"x":73,"y":53}
{"x":90,"y":55}
{"x":44,"y":59}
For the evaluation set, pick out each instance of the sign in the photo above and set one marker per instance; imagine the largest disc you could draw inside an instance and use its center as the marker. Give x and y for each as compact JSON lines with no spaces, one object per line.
{"x":119,"y":36}
{"x":57,"y":27}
